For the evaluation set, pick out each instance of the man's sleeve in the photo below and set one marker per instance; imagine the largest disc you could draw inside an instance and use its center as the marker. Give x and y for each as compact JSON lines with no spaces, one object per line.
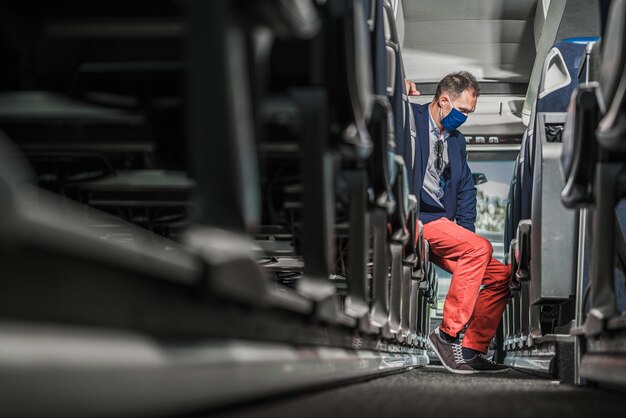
{"x":466,"y":197}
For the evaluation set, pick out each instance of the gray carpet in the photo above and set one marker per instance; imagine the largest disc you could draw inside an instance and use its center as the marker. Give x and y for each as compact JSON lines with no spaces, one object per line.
{"x":431,"y":391}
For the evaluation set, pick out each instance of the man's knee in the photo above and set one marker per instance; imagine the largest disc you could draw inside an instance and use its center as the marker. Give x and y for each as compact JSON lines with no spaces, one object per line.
{"x":483,"y":248}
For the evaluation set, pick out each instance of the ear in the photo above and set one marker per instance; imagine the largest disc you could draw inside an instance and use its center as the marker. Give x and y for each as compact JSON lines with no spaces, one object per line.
{"x":442,"y":101}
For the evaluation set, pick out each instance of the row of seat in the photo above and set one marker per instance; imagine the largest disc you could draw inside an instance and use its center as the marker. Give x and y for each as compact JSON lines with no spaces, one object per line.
{"x":593,"y":165}
{"x":541,"y":235}
{"x":385,"y":285}
{"x":91,"y":97}
{"x":582,"y":295}
{"x":253,"y":141}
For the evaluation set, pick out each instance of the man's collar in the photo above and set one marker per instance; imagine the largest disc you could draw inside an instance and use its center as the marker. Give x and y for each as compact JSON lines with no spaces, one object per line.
{"x":433,"y":126}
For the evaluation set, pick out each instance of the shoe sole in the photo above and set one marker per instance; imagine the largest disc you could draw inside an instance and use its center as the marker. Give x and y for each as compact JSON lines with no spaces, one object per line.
{"x":448,"y":368}
{"x":491,"y":371}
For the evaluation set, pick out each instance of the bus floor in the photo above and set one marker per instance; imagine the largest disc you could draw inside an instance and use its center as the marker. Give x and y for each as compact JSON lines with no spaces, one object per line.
{"x":431,"y":391}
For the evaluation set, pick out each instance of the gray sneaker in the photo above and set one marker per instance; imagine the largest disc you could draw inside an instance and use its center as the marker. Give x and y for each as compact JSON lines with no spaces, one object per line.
{"x":450,"y":354}
{"x":482,"y":364}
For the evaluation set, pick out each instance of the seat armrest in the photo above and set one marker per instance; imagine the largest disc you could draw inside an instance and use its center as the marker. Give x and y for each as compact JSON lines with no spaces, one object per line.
{"x":522,"y":251}
{"x":580,"y":148}
{"x":421,"y":252}
{"x":411,"y":254}
{"x":380,"y":169}
{"x":401,"y":232}
{"x":512,"y":260}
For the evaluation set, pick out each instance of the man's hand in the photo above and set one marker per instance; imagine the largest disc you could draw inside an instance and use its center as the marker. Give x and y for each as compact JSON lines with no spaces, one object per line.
{"x":411,"y":88}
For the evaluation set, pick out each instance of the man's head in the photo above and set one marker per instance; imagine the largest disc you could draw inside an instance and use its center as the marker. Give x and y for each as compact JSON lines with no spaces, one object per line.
{"x":458,"y":91}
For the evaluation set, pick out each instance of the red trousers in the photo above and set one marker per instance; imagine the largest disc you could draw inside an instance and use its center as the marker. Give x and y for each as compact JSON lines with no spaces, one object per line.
{"x":469,"y":258}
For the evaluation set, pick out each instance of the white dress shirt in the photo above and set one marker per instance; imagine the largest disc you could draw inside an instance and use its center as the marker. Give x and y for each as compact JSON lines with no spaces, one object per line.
{"x":432,"y":183}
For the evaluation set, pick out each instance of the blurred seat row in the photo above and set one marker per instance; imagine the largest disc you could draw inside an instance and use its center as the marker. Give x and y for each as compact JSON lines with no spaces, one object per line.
{"x":167,"y":163}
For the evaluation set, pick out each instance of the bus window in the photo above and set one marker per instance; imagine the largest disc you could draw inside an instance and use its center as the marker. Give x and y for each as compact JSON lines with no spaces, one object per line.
{"x":491,"y":199}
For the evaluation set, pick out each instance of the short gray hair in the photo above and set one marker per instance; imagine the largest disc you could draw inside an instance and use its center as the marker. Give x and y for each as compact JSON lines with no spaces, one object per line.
{"x":455,"y":84}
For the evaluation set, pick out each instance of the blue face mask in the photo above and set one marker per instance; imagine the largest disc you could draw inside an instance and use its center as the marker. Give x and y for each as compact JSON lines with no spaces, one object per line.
{"x":453,"y":120}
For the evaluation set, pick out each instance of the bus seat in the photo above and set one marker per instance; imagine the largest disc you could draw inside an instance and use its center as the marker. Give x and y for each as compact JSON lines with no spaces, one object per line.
{"x":553,"y":228}
{"x":608,"y":179}
{"x":612,"y":60}
{"x":88,"y":139}
{"x":399,"y":240}
{"x":50,"y":245}
{"x":541,"y":232}
{"x":404,"y":125}
{"x":344,"y":42}
{"x":522,"y":251}
{"x":512,"y":219}
{"x":561,"y":74}
{"x":158,"y":200}
{"x":395,"y":73}
{"x":612,"y":127}
{"x":222,"y":142}
{"x":384,"y":205}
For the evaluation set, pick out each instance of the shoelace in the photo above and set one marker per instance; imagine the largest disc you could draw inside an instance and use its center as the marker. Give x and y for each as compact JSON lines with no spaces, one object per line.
{"x":458,"y":353}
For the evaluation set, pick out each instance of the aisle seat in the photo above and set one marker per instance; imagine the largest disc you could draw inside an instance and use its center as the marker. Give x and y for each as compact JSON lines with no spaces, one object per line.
{"x":594,"y":161}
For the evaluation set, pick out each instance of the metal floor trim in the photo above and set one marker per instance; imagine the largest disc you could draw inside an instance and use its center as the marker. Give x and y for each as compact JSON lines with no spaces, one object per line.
{"x":70,"y":371}
{"x":536,"y":363}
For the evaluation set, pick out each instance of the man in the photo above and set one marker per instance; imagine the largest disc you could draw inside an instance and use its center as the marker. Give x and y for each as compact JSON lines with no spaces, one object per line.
{"x":443,"y":182}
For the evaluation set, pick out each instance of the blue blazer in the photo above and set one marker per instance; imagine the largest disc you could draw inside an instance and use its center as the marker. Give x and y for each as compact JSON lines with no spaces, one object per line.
{"x":459,"y":198}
